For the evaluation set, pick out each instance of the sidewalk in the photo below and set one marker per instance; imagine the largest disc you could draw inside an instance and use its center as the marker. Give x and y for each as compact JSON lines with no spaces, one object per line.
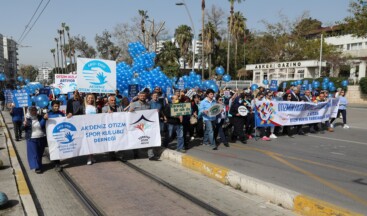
{"x":8,"y":183}
{"x":52,"y":195}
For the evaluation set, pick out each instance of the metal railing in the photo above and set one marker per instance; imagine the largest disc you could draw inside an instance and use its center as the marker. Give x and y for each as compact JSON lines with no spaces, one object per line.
{"x":233,"y":84}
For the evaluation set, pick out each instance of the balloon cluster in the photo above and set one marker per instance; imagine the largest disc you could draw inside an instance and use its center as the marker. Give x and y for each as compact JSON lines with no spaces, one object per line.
{"x":141,"y":72}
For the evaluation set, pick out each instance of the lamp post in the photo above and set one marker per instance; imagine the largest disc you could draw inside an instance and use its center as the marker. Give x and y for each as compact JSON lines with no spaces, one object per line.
{"x":183,"y":3}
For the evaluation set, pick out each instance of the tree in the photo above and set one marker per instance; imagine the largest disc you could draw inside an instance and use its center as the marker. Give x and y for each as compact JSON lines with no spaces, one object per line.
{"x":105,"y":47}
{"x":216,"y":17}
{"x":28,"y":72}
{"x":357,"y":24}
{"x":84,"y":49}
{"x":144,"y":15}
{"x":183,"y":37}
{"x":53,"y":54}
{"x":168,"y":58}
{"x":202,"y":37}
{"x":212,"y":36}
{"x":238,"y":31}
{"x":229,"y":29}
{"x":57,"y":51}
{"x":305,"y":26}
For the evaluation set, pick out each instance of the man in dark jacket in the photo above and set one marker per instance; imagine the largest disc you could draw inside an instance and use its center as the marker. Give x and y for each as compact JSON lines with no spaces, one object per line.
{"x":238,"y":120}
{"x":17,"y":115}
{"x":174,"y":124}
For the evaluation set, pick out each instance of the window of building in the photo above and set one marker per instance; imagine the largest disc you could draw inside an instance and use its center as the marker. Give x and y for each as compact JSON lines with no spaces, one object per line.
{"x":301,"y":74}
{"x":291,"y":72}
{"x":354,"y":46}
{"x":257,"y":77}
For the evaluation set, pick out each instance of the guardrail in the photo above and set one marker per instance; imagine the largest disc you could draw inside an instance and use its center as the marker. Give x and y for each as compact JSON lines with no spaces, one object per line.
{"x":240,"y":84}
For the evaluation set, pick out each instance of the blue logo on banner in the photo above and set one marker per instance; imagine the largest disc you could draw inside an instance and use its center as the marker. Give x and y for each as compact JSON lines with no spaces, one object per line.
{"x":72,"y":86}
{"x":94,"y":72}
{"x":64,"y":133}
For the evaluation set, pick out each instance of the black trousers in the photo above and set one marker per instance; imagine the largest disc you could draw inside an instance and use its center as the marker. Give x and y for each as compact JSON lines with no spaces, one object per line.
{"x":238,"y":124}
{"x":17,"y":129}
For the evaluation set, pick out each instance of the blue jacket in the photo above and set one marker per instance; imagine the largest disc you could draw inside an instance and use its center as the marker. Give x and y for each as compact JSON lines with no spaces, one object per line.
{"x":343,"y":102}
{"x":28,"y":126}
{"x":52,"y":114}
{"x":205,"y":105}
{"x":17,"y":114}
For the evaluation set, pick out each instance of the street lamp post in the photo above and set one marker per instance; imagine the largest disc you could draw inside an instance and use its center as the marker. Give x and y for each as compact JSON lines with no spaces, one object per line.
{"x":183,"y":3}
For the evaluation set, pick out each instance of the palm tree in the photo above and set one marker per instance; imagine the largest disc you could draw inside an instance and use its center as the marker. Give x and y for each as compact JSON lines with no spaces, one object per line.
{"x":57,"y":53}
{"x":67,"y":29}
{"x":237,"y":30}
{"x":53,"y":54}
{"x":168,"y":58}
{"x":229,"y":29}
{"x":212,"y":35}
{"x":63,"y":35}
{"x":60,"y":32}
{"x":183,"y":37}
{"x":202,"y":38}
{"x":144,"y":16}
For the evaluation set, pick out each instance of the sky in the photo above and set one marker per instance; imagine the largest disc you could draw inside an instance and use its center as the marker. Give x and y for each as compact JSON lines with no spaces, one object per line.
{"x":90,"y":17}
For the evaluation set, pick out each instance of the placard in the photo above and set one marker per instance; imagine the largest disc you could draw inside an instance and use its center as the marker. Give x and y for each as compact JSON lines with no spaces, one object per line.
{"x":133,"y":90}
{"x":66,"y":82}
{"x":180,"y":109}
{"x":21,"y":98}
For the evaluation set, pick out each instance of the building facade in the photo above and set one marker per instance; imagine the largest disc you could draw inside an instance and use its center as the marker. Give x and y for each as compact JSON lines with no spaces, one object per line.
{"x":283,"y":71}
{"x":8,"y":57}
{"x":44,"y":74}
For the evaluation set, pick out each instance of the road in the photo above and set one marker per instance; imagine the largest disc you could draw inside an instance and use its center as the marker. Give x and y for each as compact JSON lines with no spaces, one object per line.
{"x":331,"y":166}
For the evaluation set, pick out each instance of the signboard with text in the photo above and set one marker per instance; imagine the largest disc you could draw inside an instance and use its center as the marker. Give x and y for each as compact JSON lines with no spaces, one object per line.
{"x":180,"y":109}
{"x":66,"y":82}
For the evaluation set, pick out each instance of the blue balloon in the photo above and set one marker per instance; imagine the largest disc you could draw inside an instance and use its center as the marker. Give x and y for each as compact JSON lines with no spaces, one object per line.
{"x":219,"y":70}
{"x":26,"y":81}
{"x":18,"y":87}
{"x":57,"y":91}
{"x":20,"y":78}
{"x":41,"y":100}
{"x":316,"y":84}
{"x":344,"y":83}
{"x":325,"y":80}
{"x":226,"y":78}
{"x":324,"y":86}
{"x":3,"y":199}
{"x":330,"y":84}
{"x":254,"y":87}
{"x":266,"y":82}
{"x":332,"y":88}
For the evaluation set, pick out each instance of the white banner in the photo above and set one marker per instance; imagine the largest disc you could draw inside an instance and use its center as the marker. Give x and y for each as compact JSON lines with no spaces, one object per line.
{"x":279,"y":113}
{"x":65,"y":82}
{"x":83,"y":135}
{"x":96,"y":75}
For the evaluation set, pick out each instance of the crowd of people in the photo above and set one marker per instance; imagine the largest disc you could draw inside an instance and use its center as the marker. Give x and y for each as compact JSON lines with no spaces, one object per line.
{"x":198,"y":128}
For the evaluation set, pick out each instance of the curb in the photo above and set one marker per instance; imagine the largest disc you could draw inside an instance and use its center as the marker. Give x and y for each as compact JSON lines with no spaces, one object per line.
{"x":289,"y":199}
{"x":23,"y":189}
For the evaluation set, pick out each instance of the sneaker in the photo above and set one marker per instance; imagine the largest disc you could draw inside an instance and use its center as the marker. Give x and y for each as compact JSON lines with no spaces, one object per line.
{"x":265,"y":138}
{"x":330,"y":129}
{"x":181,"y":150}
{"x":38,"y":171}
{"x":332,"y":125}
{"x":273,"y":136}
{"x":58,"y":168}
{"x":192,"y":138}
{"x":346,"y":126}
{"x":154,"y":158}
{"x":89,"y":162}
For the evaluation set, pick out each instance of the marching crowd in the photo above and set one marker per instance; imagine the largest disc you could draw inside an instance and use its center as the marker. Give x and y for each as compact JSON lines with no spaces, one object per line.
{"x":234,"y":121}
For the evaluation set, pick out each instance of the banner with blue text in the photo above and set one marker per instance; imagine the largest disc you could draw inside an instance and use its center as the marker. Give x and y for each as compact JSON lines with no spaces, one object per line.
{"x":83,"y":135}
{"x":283,"y":113}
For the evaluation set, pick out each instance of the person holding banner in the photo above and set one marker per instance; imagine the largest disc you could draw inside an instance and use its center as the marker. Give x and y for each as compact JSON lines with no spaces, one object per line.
{"x":55,"y":113}
{"x":90,"y":109}
{"x":209,"y":121}
{"x":34,"y":126}
{"x":142,"y":104}
{"x":269,"y":98}
{"x":296,"y":98}
{"x":75,"y":106}
{"x":111,"y":108}
{"x":17,"y":115}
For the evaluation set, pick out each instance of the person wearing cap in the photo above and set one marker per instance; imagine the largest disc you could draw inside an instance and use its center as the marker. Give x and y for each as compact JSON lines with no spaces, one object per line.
{"x":35,"y":134}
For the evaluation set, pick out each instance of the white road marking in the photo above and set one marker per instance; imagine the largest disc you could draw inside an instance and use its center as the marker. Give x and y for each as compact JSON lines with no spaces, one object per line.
{"x":337,"y":153}
{"x":350,"y":141}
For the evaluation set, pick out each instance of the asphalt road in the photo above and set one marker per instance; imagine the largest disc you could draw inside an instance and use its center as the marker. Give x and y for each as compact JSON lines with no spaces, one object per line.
{"x":331,"y":166}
